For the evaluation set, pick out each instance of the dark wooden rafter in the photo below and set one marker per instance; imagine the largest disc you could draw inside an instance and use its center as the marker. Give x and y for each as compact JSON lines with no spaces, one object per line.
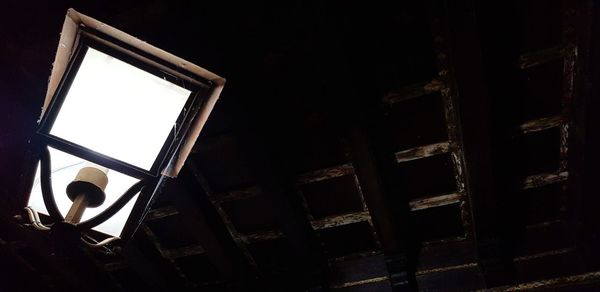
{"x":368,"y":181}
{"x":444,"y":84}
{"x":164,"y":253}
{"x":449,"y":99}
{"x":274,"y":183}
{"x":567,"y":51}
{"x":585,"y":158}
{"x":367,"y":172}
{"x":207,"y":241}
{"x":343,"y":219}
{"x":238,"y":238}
{"x":569,"y":76}
{"x":170,"y":256}
{"x":572,"y":132}
{"x":459,"y":36}
{"x":150,"y":270}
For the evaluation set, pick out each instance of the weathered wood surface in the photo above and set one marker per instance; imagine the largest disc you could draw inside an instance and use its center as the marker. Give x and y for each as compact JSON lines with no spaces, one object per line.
{"x":237,"y":194}
{"x":262,"y":236}
{"x":542,"y":124}
{"x":412,"y":91}
{"x":531,"y":59}
{"x":434,"y":201}
{"x":422,"y":151}
{"x":325,"y":174}
{"x":361,"y":282}
{"x":538,"y":180}
{"x":341,"y":220}
{"x":591,"y":277}
{"x":185,"y":251}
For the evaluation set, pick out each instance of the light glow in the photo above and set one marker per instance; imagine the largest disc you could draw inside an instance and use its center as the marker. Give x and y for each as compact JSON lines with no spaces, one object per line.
{"x":64,"y":168}
{"x":119,"y":110}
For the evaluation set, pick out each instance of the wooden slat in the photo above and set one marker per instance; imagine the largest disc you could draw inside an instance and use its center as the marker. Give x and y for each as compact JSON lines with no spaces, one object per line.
{"x":325,"y":174}
{"x":116,"y":266}
{"x":368,"y":179}
{"x":554,"y":282}
{"x":531,"y":59}
{"x":434,"y":201}
{"x":185,"y":251}
{"x":445,"y":269}
{"x":355,"y":256}
{"x":199,"y":224}
{"x":361,"y":282}
{"x":340,"y":220}
{"x":262,"y":236}
{"x":422,"y":151}
{"x":237,"y":238}
{"x":237,"y":194}
{"x":159,"y":213}
{"x":149,"y":269}
{"x":162,"y":251}
{"x":539,"y":180}
{"x":544,"y":254}
{"x":443,"y":241}
{"x":343,"y":273}
{"x":545,"y":224}
{"x":542,"y":124}
{"x":450,"y":101}
{"x":412,"y":91}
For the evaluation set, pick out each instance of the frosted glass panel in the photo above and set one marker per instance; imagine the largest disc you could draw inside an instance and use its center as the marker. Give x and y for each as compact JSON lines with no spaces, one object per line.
{"x":64,"y":169}
{"x":119,"y":110}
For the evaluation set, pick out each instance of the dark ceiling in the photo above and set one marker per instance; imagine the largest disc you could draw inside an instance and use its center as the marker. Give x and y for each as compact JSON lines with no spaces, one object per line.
{"x":432,"y":145}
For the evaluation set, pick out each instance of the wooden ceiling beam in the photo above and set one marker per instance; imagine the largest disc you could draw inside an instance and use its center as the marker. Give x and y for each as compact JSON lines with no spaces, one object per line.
{"x":474,"y":110}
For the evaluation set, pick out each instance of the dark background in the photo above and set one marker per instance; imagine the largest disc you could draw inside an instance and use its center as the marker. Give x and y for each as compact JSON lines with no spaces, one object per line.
{"x":306,"y":90}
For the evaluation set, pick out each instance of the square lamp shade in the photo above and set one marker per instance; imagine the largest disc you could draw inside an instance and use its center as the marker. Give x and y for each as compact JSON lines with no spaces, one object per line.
{"x":118,"y":110}
{"x":122,"y":104}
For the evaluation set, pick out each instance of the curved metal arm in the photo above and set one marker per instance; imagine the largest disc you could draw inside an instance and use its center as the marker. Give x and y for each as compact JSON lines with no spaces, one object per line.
{"x":114,"y":208}
{"x":46,"y":183}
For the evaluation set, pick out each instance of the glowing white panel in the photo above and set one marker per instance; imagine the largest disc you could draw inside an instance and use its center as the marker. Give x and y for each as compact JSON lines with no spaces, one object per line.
{"x":119,"y":110}
{"x":64,"y":169}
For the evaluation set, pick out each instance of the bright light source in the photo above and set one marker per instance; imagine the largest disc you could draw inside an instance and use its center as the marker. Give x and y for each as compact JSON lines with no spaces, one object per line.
{"x":64,"y":169}
{"x":119,"y":110}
